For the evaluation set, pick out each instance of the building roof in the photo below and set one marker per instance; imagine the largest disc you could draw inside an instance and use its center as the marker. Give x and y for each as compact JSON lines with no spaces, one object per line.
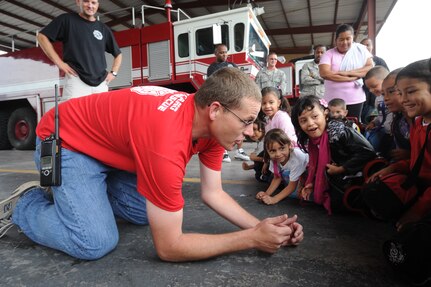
{"x":293,"y":26}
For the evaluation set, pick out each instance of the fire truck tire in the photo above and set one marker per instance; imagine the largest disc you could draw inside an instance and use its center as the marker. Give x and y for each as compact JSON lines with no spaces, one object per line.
{"x":21,"y":129}
{"x":4,"y":140}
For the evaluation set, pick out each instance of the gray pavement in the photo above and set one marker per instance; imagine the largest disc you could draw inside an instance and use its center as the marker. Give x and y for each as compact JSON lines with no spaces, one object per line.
{"x":338,"y":250}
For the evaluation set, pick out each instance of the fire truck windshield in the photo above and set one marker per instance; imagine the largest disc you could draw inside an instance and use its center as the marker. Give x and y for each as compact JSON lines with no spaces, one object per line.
{"x":257,"y":49}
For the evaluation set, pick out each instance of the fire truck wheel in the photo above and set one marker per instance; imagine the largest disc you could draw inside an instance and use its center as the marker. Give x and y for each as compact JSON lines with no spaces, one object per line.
{"x":21,"y":129}
{"x":4,"y":140}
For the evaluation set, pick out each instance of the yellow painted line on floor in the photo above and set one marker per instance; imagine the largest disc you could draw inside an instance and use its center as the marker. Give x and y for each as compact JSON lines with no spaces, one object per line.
{"x":18,"y":171}
{"x":191,"y":180}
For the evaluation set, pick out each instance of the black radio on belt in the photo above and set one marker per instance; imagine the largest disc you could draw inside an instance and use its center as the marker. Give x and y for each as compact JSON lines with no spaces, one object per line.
{"x":50,"y":154}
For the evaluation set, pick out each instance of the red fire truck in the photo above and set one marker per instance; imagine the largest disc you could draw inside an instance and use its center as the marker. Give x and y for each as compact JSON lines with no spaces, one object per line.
{"x":175,"y":54}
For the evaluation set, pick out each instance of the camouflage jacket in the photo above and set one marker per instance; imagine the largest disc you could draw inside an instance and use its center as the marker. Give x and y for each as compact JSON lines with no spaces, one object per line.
{"x":275,"y":78}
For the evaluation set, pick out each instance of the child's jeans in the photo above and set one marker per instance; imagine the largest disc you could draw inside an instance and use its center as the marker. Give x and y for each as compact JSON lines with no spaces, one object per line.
{"x":381,"y":141}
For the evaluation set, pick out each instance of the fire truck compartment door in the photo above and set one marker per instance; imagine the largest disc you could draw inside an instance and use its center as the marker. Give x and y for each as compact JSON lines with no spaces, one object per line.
{"x":159,"y":61}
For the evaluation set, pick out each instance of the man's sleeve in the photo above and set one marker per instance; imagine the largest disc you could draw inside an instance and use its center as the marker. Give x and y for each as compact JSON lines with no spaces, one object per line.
{"x":55,"y":30}
{"x":257,"y":80}
{"x":210,"y":153}
{"x":380,"y":62}
{"x":210,"y":70}
{"x":111,"y":44}
{"x":283,"y":83}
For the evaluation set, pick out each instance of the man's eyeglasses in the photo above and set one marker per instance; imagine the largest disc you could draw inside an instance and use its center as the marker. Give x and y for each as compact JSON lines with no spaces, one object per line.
{"x":246,"y":123}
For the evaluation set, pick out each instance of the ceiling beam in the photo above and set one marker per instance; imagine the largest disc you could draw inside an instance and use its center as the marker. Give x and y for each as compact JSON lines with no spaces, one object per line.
{"x":287,"y":23}
{"x":296,"y":50}
{"x":200,"y":4}
{"x":310,"y":21}
{"x":13,"y":27}
{"x":25,"y":20}
{"x":5,"y":46}
{"x":115,"y":19}
{"x":29,"y":8}
{"x":372,"y":21}
{"x":334,"y":21}
{"x":58,"y":6}
{"x":303,"y":30}
{"x":119,"y":4}
{"x":4,"y":36}
{"x":360,"y":19}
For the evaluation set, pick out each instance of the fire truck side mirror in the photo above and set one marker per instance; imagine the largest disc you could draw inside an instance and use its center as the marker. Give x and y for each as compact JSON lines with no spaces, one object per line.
{"x":253,"y":52}
{"x":281,"y":59}
{"x":216,"y":34}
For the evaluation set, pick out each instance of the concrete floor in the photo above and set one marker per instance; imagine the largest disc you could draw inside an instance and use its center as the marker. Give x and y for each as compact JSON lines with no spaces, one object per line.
{"x":338,"y":250}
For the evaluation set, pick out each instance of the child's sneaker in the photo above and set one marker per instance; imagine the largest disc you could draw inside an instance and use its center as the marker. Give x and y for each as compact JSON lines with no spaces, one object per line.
{"x":8,"y":205}
{"x":226,"y":157}
{"x":241,"y":155}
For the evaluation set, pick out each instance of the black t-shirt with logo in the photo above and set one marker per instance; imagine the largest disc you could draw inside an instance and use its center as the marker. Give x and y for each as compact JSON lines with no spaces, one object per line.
{"x":84,"y":45}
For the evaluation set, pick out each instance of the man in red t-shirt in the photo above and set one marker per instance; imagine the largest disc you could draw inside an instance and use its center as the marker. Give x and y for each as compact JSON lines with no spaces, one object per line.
{"x":124,"y":154}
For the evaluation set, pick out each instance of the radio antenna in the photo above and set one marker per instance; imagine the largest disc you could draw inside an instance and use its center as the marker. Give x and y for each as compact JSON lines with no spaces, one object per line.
{"x":56,"y":117}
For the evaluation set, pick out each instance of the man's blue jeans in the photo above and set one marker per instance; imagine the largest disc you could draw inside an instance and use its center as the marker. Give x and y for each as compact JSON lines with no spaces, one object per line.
{"x":81,"y":220}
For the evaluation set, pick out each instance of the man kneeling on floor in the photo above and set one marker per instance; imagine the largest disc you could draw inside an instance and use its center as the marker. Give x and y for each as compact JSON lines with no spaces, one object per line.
{"x":124,"y":154}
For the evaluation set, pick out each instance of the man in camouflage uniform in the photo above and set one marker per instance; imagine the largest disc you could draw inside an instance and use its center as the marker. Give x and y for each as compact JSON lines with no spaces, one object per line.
{"x":311,"y":81}
{"x":271,"y":76}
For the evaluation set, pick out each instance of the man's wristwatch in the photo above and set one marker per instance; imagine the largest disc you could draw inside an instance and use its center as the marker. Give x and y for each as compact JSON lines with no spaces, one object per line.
{"x":114,"y":73}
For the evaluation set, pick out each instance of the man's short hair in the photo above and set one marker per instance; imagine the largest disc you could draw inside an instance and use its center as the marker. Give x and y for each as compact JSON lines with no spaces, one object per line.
{"x":367,"y":39}
{"x":378,"y":72}
{"x":218,"y":45}
{"x":337,"y":102}
{"x":319,"y":46}
{"x":272,"y":53}
{"x":228,"y":86}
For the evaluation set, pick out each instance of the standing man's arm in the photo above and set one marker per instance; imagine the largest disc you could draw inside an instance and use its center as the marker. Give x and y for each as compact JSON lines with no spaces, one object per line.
{"x":50,"y":52}
{"x":258,"y":80}
{"x":217,"y":199}
{"x":174,"y":245}
{"x":283,"y":84}
{"x":115,"y":68}
{"x":308,"y":77}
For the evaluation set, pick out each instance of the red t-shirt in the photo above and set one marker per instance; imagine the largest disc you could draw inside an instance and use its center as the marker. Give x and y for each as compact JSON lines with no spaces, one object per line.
{"x":144,"y":130}
{"x":417,"y":139}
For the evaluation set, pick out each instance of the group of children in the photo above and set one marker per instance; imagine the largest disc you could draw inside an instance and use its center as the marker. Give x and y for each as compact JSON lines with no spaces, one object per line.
{"x":315,"y":149}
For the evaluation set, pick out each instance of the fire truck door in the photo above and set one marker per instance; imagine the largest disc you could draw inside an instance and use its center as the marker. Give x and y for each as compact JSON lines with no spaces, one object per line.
{"x":159,"y":60}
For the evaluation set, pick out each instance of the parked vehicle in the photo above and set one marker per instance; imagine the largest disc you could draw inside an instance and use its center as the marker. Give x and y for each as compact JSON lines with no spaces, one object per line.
{"x":171,"y":54}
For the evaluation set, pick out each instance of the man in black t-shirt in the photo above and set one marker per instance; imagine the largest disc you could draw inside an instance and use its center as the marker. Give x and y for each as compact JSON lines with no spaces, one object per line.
{"x":220,"y":52}
{"x":85,"y":41}
{"x":221,"y":60}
